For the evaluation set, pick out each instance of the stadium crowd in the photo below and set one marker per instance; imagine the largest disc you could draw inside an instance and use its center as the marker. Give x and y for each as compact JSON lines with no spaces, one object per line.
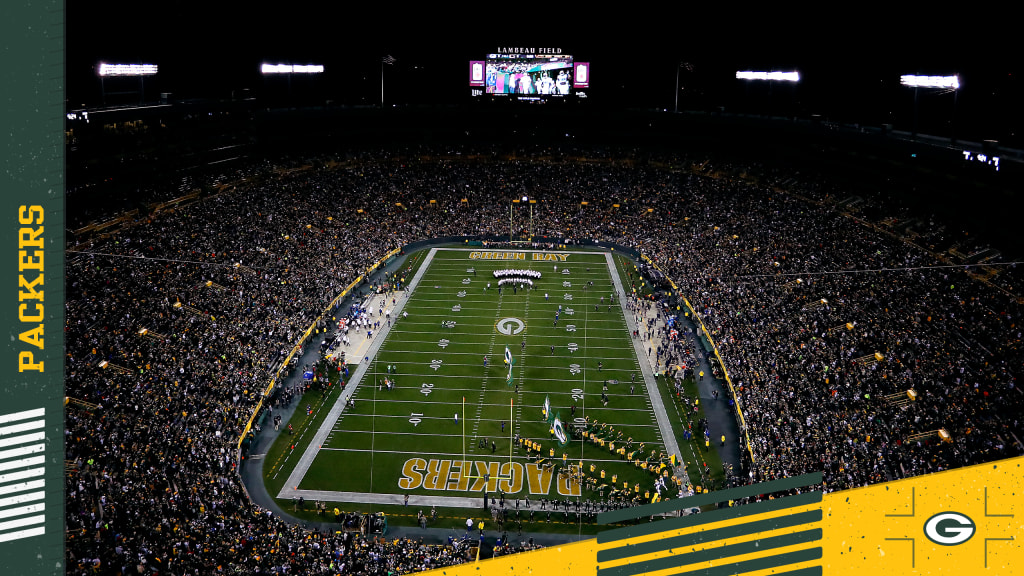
{"x":176,"y":325}
{"x":799,"y":338}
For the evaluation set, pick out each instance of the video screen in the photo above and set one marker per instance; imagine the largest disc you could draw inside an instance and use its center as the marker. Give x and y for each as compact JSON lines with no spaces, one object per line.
{"x":582,"y":75}
{"x":524,"y":74}
{"x":476,"y":72}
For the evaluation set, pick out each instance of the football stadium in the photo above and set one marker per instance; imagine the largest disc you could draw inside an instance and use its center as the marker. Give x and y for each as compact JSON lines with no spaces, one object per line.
{"x":528,"y":385}
{"x":387,"y":310}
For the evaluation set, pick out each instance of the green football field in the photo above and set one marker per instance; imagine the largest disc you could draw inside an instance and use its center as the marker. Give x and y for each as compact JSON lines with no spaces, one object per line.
{"x":447,"y":428}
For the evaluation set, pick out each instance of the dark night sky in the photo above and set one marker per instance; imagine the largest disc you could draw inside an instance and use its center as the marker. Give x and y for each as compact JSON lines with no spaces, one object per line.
{"x":850,"y":63}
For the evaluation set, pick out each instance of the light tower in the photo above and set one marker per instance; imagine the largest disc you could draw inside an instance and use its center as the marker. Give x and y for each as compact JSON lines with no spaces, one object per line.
{"x":945,"y":84}
{"x":511,"y":216}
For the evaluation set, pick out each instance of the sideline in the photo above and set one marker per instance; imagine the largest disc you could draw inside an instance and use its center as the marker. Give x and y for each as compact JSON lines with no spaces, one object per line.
{"x":667,"y":436}
{"x":291,"y":485}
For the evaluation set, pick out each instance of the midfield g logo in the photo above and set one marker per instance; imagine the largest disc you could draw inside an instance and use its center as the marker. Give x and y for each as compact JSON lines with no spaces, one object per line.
{"x":509,"y":326}
{"x":949,"y":528}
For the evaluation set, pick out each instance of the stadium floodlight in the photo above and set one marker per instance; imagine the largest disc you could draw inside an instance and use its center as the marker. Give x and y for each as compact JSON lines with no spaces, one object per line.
{"x":930,"y":81}
{"x":783,"y":76}
{"x":291,"y":69}
{"x":127,"y":69}
{"x":948,"y":83}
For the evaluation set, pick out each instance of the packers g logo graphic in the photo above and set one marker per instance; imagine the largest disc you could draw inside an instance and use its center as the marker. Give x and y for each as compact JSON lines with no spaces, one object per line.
{"x":559,"y":430}
{"x":949,"y":528}
{"x":510,"y":326}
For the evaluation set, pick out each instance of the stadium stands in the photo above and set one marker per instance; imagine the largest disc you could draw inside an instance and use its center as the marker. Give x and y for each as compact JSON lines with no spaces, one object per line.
{"x":230,"y":281}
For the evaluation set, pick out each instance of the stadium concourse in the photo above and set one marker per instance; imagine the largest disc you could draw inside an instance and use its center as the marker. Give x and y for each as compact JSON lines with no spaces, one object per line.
{"x":177,"y":323}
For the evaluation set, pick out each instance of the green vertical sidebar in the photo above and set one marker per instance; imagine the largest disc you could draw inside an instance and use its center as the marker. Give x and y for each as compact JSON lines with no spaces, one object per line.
{"x":32,"y":288}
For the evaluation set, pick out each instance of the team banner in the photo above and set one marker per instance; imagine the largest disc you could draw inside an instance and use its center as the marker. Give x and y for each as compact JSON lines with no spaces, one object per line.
{"x":32,"y":456}
{"x":964,"y":521}
{"x":558,"y":429}
{"x":509,"y":361}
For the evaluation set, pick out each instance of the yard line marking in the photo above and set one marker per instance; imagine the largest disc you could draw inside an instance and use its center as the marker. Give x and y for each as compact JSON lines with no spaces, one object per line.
{"x":521,"y":389}
{"x":541,"y":348}
{"x":537,"y":439}
{"x":433,"y":327}
{"x":532,"y":391}
{"x":488,"y":457}
{"x":611,"y":371}
{"x":483,"y":384}
{"x":378,"y":415}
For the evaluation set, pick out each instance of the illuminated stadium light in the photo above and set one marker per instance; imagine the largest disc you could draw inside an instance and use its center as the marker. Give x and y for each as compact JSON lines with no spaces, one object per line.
{"x":290,"y":69}
{"x":930,"y":81}
{"x":783,"y":76}
{"x":127,"y":69}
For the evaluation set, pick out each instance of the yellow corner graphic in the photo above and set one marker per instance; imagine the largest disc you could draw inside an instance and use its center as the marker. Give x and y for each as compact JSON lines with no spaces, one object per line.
{"x":964,"y":521}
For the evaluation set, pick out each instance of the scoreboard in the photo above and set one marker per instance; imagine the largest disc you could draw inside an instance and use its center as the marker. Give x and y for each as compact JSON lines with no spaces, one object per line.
{"x":529,"y":74}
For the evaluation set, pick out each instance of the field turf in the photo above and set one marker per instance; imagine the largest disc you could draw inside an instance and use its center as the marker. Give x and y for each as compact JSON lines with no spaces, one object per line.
{"x":408,"y":441}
